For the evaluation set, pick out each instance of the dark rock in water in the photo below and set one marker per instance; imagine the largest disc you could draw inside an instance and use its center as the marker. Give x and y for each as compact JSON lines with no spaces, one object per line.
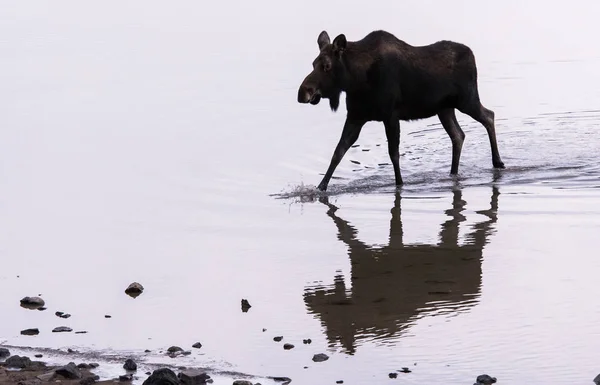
{"x":484,"y":379}
{"x":147,"y":351}
{"x":148,"y":373}
{"x":30,"y":332}
{"x":162,"y":377}
{"x":393,"y":375}
{"x":405,"y":370}
{"x":134,"y":290}
{"x":597,"y":380}
{"x":126,"y":378}
{"x":17,"y":362}
{"x":83,"y":366}
{"x":107,"y":316}
{"x":62,"y":329}
{"x":193,"y":377}
{"x":32,"y":302}
{"x":4,"y":353}
{"x":174,"y":349}
{"x":241,"y":382}
{"x":245,"y":305}
{"x":307,"y":341}
{"x":62,"y":315}
{"x":186,"y":353}
{"x":278,"y":338}
{"x":288,"y":346}
{"x":130,"y":365}
{"x":320,"y":357}
{"x":69,"y":350}
{"x":285,"y":380}
{"x":42,"y":308}
{"x":264,"y":330}
{"x":81,"y":332}
{"x":339,"y":382}
{"x":69,"y":371}
{"x":88,"y":381}
{"x":39,"y":356}
{"x":94,"y":365}
{"x":197,"y":345}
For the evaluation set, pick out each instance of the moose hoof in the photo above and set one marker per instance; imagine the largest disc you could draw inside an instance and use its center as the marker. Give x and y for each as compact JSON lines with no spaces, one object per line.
{"x":498,"y":164}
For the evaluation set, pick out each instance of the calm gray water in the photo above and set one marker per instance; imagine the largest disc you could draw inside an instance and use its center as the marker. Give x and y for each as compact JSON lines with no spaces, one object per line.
{"x":163,"y":144}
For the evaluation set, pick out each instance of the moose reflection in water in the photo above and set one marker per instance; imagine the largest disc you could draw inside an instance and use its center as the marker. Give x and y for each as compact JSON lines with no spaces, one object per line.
{"x":395,"y":284}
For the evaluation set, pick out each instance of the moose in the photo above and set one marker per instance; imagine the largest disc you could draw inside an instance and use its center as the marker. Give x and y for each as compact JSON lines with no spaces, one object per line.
{"x":388,"y":80}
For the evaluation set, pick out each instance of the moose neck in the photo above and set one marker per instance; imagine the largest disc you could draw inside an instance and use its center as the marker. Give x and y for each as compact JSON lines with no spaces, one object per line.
{"x":356,"y":62}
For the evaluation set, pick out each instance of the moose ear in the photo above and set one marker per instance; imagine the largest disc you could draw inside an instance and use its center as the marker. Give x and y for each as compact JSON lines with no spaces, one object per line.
{"x":323,"y":39}
{"x":339,"y":43}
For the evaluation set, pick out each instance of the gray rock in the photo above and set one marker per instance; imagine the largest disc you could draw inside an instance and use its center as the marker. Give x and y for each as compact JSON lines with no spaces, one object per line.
{"x":197,"y":345}
{"x":62,"y":329}
{"x":307,"y":341}
{"x":107,"y":316}
{"x":126,"y":378}
{"x":278,"y":338}
{"x":62,"y":314}
{"x":39,"y":356}
{"x":47,"y":377}
{"x":32,"y":302}
{"x":94,"y":365}
{"x":193,"y":377}
{"x":69,"y":371}
{"x":484,"y":379}
{"x":84,"y":366}
{"x":320,"y":357}
{"x":288,"y":346}
{"x":174,"y":349}
{"x":134,"y":290}
{"x":30,"y":332}
{"x":405,"y":370}
{"x":241,"y":382}
{"x":130,"y":365}
{"x":245,"y":305}
{"x":88,"y":381}
{"x":285,"y":380}
{"x":4,"y":353}
{"x":162,"y":377}
{"x":17,"y":362}
{"x":393,"y":375}
{"x":597,"y":380}
{"x":81,"y":332}
{"x":339,"y":382}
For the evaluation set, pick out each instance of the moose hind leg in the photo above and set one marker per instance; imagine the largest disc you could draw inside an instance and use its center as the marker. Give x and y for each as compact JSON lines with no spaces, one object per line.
{"x":392,"y":131}
{"x":486,"y":118}
{"x":457,"y":136}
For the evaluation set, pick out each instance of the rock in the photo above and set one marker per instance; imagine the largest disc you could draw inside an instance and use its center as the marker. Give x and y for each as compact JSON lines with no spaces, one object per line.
{"x":339,"y":382}
{"x":107,"y":316}
{"x":393,"y":375}
{"x":596,"y":380}
{"x":47,"y":377}
{"x":245,"y":305}
{"x":62,"y":315}
{"x":405,"y":370}
{"x":42,"y":308}
{"x":94,"y":365}
{"x":81,"y":332}
{"x":32,"y":302}
{"x":320,"y":357}
{"x":126,"y":378}
{"x":278,"y":338}
{"x":69,"y":350}
{"x":39,"y":355}
{"x":62,"y":329}
{"x":69,"y":371}
{"x":288,"y":346}
{"x":4,"y":353}
{"x":134,"y":290}
{"x":241,"y":382}
{"x":197,"y":345}
{"x":88,"y":381}
{"x":264,"y":330}
{"x":285,"y":380}
{"x":162,"y":377}
{"x":148,"y":373}
{"x":130,"y":365}
{"x":17,"y":362}
{"x":186,"y":353}
{"x":83,"y":366}
{"x":307,"y":341}
{"x":30,"y":332}
{"x":484,"y":379}
{"x":174,"y":349}
{"x":193,"y":377}
{"x":147,"y":351}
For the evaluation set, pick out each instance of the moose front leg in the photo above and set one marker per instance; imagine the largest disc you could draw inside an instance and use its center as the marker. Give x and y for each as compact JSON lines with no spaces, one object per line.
{"x":392,"y":131}
{"x":349,"y":136}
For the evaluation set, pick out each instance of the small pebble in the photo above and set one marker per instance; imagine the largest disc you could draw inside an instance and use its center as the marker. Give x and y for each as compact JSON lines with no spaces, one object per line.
{"x":288,"y":346}
{"x":393,"y":375}
{"x":197,"y":345}
{"x":107,"y":316}
{"x":339,"y":382}
{"x":278,"y":338}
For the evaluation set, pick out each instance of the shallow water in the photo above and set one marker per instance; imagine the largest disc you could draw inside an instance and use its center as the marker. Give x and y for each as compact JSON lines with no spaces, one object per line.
{"x":165,"y":145}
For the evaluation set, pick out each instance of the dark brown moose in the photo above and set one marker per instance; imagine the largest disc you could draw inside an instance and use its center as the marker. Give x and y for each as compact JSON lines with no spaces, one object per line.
{"x":395,"y":284}
{"x":388,"y":80}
